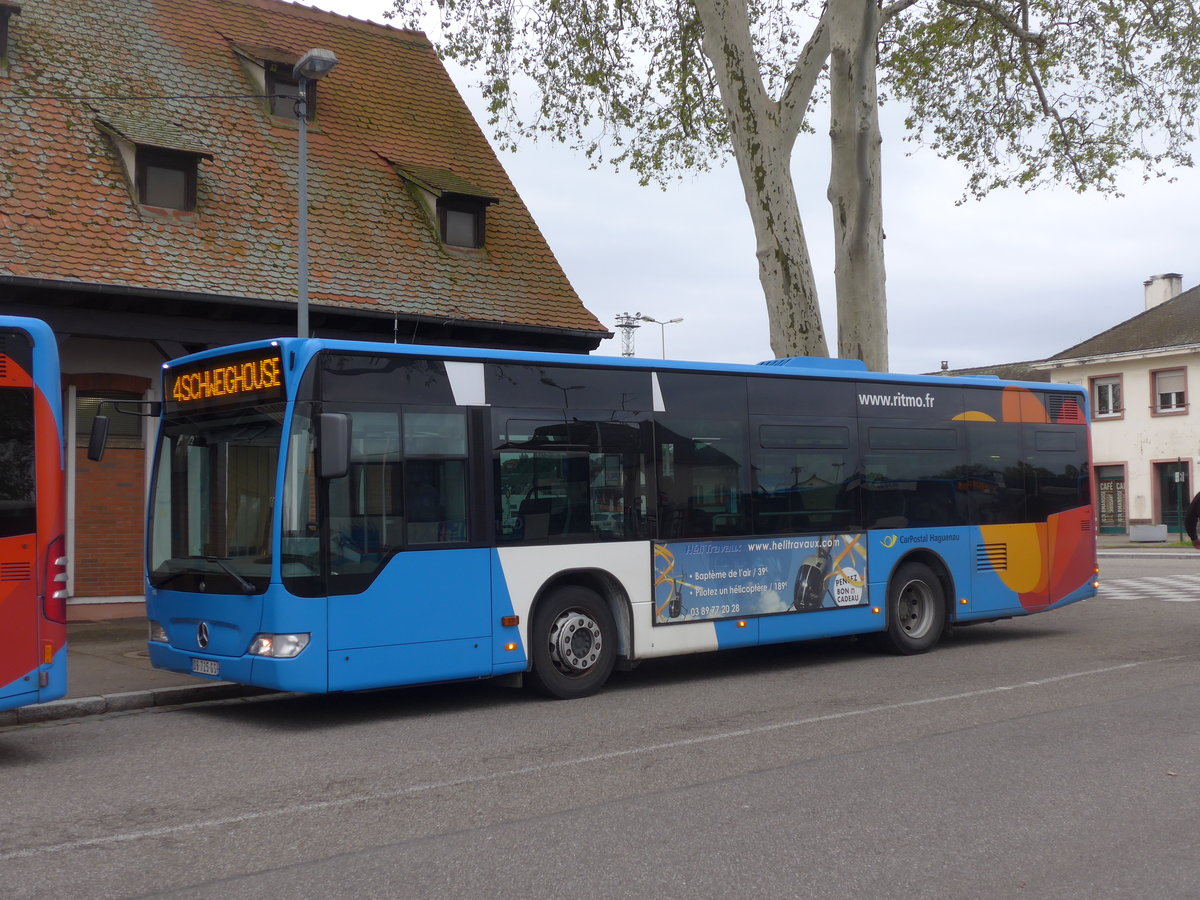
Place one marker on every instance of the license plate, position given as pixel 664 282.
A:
pixel 206 667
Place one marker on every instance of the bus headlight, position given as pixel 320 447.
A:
pixel 157 633
pixel 278 646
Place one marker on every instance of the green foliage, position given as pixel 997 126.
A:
pixel 1025 94
pixel 620 80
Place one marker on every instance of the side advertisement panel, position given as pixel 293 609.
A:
pixel 710 580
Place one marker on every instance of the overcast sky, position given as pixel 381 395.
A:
pixel 1014 277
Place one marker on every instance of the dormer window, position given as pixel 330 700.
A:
pixel 462 220
pixel 270 71
pixel 7 10
pixel 284 91
pixel 161 161
pixel 457 207
pixel 166 178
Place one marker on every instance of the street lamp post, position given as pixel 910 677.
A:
pixel 663 327
pixel 313 65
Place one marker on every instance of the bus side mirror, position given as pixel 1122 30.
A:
pixel 333 445
pixel 98 438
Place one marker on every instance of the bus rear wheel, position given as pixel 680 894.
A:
pixel 574 644
pixel 916 610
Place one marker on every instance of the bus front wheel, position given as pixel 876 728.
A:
pixel 916 610
pixel 574 644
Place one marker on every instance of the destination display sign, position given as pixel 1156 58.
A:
pixel 250 377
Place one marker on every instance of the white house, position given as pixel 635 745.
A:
pixel 1141 375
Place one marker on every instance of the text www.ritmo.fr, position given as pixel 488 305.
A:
pixel 901 400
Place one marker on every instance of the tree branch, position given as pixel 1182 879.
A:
pixel 892 10
pixel 802 80
pixel 1019 30
pixel 1049 110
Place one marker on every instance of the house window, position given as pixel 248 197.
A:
pixel 124 428
pixel 284 90
pixel 6 10
pixel 1170 391
pixel 166 178
pixel 462 220
pixel 1106 397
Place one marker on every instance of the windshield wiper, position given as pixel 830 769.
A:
pixel 246 586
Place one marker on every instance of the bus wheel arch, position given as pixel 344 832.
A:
pixel 919 604
pixel 579 626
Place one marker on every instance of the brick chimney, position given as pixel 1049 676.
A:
pixel 1161 288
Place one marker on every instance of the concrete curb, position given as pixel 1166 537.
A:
pixel 1149 553
pixel 74 707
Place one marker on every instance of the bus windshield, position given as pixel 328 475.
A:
pixel 210 517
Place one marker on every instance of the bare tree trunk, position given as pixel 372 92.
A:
pixel 855 183
pixel 763 134
pixel 784 266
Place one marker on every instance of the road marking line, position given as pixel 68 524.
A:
pixel 383 796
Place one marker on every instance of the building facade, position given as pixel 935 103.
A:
pixel 148 208
pixel 1141 375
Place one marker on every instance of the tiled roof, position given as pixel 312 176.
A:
pixel 1016 371
pixel 66 212
pixel 152 132
pixel 439 180
pixel 1175 323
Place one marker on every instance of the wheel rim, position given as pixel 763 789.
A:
pixel 915 609
pixel 575 642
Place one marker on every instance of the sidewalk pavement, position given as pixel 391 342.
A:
pixel 109 671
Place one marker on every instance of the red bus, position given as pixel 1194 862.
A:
pixel 33 631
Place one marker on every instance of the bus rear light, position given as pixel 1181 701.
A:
pixel 55 604
pixel 278 646
pixel 158 634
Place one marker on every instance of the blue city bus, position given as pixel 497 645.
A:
pixel 336 516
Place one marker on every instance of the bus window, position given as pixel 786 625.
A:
pixel 18 512
pixel 435 476
pixel 701 466
pixel 347 377
pixel 568 387
pixel 572 479
pixel 913 477
pixel 1059 476
pixel 996 474
pixel 802 475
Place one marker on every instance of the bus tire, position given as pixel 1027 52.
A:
pixel 574 644
pixel 916 610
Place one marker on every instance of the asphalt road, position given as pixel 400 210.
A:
pixel 1053 756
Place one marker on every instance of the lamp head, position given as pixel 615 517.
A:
pixel 315 64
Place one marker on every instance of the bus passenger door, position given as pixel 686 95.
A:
pixel 409 597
